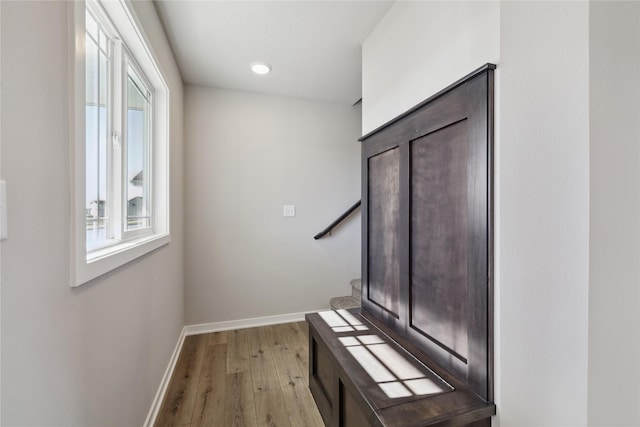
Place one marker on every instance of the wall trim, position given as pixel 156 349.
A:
pixel 246 323
pixel 164 383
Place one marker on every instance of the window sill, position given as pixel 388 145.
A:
pixel 107 259
pixel 100 254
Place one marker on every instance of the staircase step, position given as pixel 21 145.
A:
pixel 338 303
pixel 356 288
pixel 353 301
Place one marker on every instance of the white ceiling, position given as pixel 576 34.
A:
pixel 314 47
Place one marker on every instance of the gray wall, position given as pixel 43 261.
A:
pixel 246 156
pixel 93 355
pixel 614 280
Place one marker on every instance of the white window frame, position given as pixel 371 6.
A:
pixel 129 244
pixel 129 62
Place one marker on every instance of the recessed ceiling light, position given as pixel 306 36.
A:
pixel 260 68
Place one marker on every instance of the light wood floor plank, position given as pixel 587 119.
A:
pixel 266 335
pixel 239 408
pixel 300 404
pixel 237 352
pixel 263 371
pixel 271 410
pixel 300 346
pixel 209 406
pixel 304 327
pixel 218 338
pixel 181 394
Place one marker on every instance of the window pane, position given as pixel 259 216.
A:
pixel 96 104
pixel 91 26
pixel 103 41
pixel 138 187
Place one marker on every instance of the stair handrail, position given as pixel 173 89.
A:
pixel 338 220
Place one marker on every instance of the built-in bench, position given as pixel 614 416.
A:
pixel 360 377
pixel 420 350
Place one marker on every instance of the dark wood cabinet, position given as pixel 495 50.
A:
pixel 414 392
pixel 427 246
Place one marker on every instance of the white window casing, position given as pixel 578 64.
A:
pixel 132 56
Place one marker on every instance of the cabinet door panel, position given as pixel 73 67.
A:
pixel 439 238
pixel 383 212
pixel 351 415
pixel 321 378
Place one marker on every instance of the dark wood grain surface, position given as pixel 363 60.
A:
pixel 454 405
pixel 384 206
pixel 439 243
pixel 443 235
pixel 443 249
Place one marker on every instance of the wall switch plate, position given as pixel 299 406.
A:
pixel 289 210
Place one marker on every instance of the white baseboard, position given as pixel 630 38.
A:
pixel 164 384
pixel 228 325
pixel 205 328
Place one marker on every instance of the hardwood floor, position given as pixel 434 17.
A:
pixel 251 377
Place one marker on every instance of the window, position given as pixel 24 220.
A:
pixel 120 145
pixel 138 209
pixel 98 105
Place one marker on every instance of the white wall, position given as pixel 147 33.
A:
pixel 419 48
pixel 614 290
pixel 246 156
pixel 92 355
pixel 542 176
pixel 0 245
pixel 543 219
